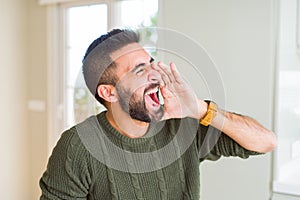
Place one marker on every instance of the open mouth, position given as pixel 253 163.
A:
pixel 152 96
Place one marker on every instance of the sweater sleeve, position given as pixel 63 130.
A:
pixel 212 144
pixel 67 175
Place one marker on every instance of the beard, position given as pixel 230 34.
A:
pixel 135 106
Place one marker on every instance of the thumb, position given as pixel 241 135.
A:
pixel 166 93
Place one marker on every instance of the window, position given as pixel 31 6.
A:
pixel 74 25
pixel 82 25
pixel 287 156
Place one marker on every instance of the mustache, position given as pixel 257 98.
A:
pixel 150 87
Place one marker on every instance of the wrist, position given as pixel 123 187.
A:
pixel 201 110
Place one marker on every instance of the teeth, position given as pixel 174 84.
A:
pixel 152 91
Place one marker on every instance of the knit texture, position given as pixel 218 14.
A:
pixel 74 173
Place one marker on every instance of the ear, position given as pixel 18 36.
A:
pixel 107 92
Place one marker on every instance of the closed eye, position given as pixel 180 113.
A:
pixel 139 68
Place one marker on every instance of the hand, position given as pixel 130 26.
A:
pixel 179 98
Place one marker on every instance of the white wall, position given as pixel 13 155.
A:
pixel 23 144
pixel 239 36
pixel 37 91
pixel 14 167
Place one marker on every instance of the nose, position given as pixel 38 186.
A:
pixel 153 75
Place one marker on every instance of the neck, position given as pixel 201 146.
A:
pixel 125 125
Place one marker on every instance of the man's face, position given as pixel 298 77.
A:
pixel 138 83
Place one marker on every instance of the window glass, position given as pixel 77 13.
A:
pixel 83 25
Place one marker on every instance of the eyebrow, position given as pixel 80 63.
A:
pixel 142 64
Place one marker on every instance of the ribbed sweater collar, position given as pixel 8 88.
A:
pixel 111 131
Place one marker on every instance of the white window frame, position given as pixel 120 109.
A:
pixel 55 97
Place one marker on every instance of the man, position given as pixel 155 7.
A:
pixel 138 148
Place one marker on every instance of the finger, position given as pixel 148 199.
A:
pixel 165 78
pixel 167 70
pixel 165 92
pixel 156 68
pixel 176 75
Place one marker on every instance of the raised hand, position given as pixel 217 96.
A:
pixel 179 98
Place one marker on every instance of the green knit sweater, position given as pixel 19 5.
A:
pixel 75 170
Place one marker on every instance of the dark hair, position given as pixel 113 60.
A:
pixel 98 68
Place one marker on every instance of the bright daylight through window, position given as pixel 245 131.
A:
pixel 85 23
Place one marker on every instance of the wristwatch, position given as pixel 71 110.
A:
pixel 212 110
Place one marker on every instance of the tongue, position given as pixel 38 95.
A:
pixel 154 98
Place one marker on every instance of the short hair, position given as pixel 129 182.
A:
pixel 98 68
